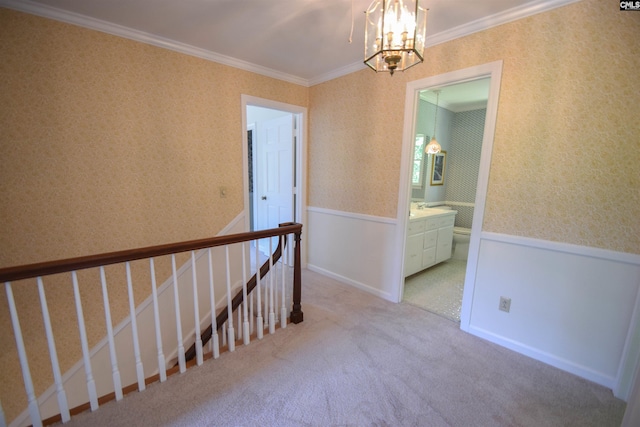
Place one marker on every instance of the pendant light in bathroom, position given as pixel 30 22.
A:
pixel 433 147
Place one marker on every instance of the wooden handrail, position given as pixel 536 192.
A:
pixel 73 264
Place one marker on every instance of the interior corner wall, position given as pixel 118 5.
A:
pixel 107 144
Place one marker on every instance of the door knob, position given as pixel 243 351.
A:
pixel 264 197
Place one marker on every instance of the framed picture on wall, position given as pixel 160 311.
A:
pixel 437 168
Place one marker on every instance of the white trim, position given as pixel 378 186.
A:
pixel 301 158
pixel 494 71
pixel 550 359
pixel 353 215
pixel 529 9
pixel 630 361
pixel 351 282
pixel 450 203
pixel 568 248
pixel 632 413
pixel 343 71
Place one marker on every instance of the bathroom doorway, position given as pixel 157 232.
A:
pixel 446 182
pixel 491 71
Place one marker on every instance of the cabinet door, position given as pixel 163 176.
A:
pixel 430 239
pixel 428 257
pixel 443 248
pixel 413 255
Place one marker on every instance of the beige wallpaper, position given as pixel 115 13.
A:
pixel 107 144
pixel 566 159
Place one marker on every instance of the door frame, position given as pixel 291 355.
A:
pixel 493 70
pixel 299 158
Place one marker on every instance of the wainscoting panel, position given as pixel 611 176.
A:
pixel 354 249
pixel 571 307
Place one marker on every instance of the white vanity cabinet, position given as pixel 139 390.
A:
pixel 429 239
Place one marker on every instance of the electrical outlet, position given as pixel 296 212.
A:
pixel 505 304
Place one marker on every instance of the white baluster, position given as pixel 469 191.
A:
pixel 3 420
pixel 283 309
pixel 245 302
pixel 134 330
pixel 215 345
pixel 223 331
pixel 272 274
pixel 57 376
pixel 231 338
pixel 34 412
pixel 266 299
pixel 91 384
pixel 117 385
pixel 196 309
pixel 251 313
pixel 162 364
pixel 259 321
pixel 176 299
pixel 239 321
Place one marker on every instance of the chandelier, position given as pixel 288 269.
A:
pixel 394 35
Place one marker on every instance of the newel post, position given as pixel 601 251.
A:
pixel 296 313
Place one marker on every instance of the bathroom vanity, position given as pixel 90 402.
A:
pixel 429 238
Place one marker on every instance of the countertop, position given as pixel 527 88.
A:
pixel 416 214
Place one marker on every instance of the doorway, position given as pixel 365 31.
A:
pixel 274 150
pixel 493 72
pixel 450 185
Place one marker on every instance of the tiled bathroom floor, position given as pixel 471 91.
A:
pixel 438 289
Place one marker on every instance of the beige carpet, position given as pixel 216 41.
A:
pixel 357 360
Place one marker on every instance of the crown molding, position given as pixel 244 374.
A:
pixel 342 71
pixel 117 30
pixel 528 9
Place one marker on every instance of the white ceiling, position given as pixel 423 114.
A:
pixel 303 41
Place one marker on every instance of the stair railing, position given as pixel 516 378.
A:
pixel 41 270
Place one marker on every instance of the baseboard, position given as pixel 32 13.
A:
pixel 563 364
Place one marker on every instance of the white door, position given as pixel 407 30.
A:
pixel 274 175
